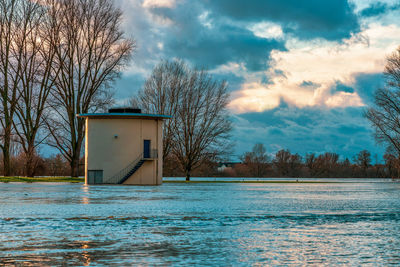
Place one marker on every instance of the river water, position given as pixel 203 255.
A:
pixel 203 224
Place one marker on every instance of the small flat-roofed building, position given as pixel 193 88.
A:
pixel 123 146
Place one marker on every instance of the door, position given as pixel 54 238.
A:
pixel 146 149
pixel 95 176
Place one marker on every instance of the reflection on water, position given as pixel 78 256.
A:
pixel 85 194
pixel 200 224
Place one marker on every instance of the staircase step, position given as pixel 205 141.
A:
pixel 131 172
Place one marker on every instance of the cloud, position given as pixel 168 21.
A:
pixel 127 86
pixel 330 67
pixel 331 20
pixel 266 38
pixel 233 45
pixel 378 8
pixel 266 30
pixel 212 42
pixel 300 72
pixel 340 87
pixel 158 3
pixel 309 84
pixel 366 84
pixel 234 81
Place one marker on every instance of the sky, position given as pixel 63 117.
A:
pixel 300 73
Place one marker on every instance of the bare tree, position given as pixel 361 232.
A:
pixel 295 163
pixel 385 114
pixel 310 163
pixel 256 160
pixel 287 164
pixel 90 51
pixel 363 160
pixel 11 22
pixel 281 162
pixel 326 164
pixel 200 126
pixel 392 165
pixel 37 54
pixel 161 95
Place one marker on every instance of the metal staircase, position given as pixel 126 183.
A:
pixel 129 170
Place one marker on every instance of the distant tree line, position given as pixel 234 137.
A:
pixel 55 165
pixel 257 163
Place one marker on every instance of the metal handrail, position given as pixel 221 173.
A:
pixel 121 174
pixel 153 154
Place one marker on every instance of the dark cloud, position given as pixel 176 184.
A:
pixel 366 84
pixel 309 84
pixel 230 44
pixel 378 8
pixel 332 20
pixel 216 44
pixel 128 85
pixel 343 130
pixel 340 87
pixel 234 81
pixel 276 131
pixel 266 79
pixel 280 73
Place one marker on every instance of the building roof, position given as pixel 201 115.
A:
pixel 122 116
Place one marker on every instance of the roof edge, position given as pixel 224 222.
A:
pixel 123 115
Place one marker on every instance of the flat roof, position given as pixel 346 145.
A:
pixel 122 116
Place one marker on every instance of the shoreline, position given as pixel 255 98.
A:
pixel 20 179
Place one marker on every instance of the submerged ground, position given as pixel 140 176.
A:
pixel 337 223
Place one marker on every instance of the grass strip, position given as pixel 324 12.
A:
pixel 252 182
pixel 22 179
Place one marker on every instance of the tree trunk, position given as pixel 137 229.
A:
pixel 74 166
pixel 187 174
pixel 6 153
pixel 76 153
pixel 6 159
pixel 30 167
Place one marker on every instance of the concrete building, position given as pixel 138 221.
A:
pixel 123 146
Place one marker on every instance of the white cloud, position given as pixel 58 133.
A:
pixel 266 30
pixel 159 3
pixel 205 20
pixel 323 63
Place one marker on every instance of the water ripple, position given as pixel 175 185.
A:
pixel 200 224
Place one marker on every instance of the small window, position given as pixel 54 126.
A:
pixel 95 176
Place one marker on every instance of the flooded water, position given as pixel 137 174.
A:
pixel 348 223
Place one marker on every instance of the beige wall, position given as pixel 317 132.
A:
pixel 105 152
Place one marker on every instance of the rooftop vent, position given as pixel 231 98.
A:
pixel 124 110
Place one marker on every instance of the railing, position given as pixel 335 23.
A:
pixel 153 155
pixel 122 173
pixel 115 179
